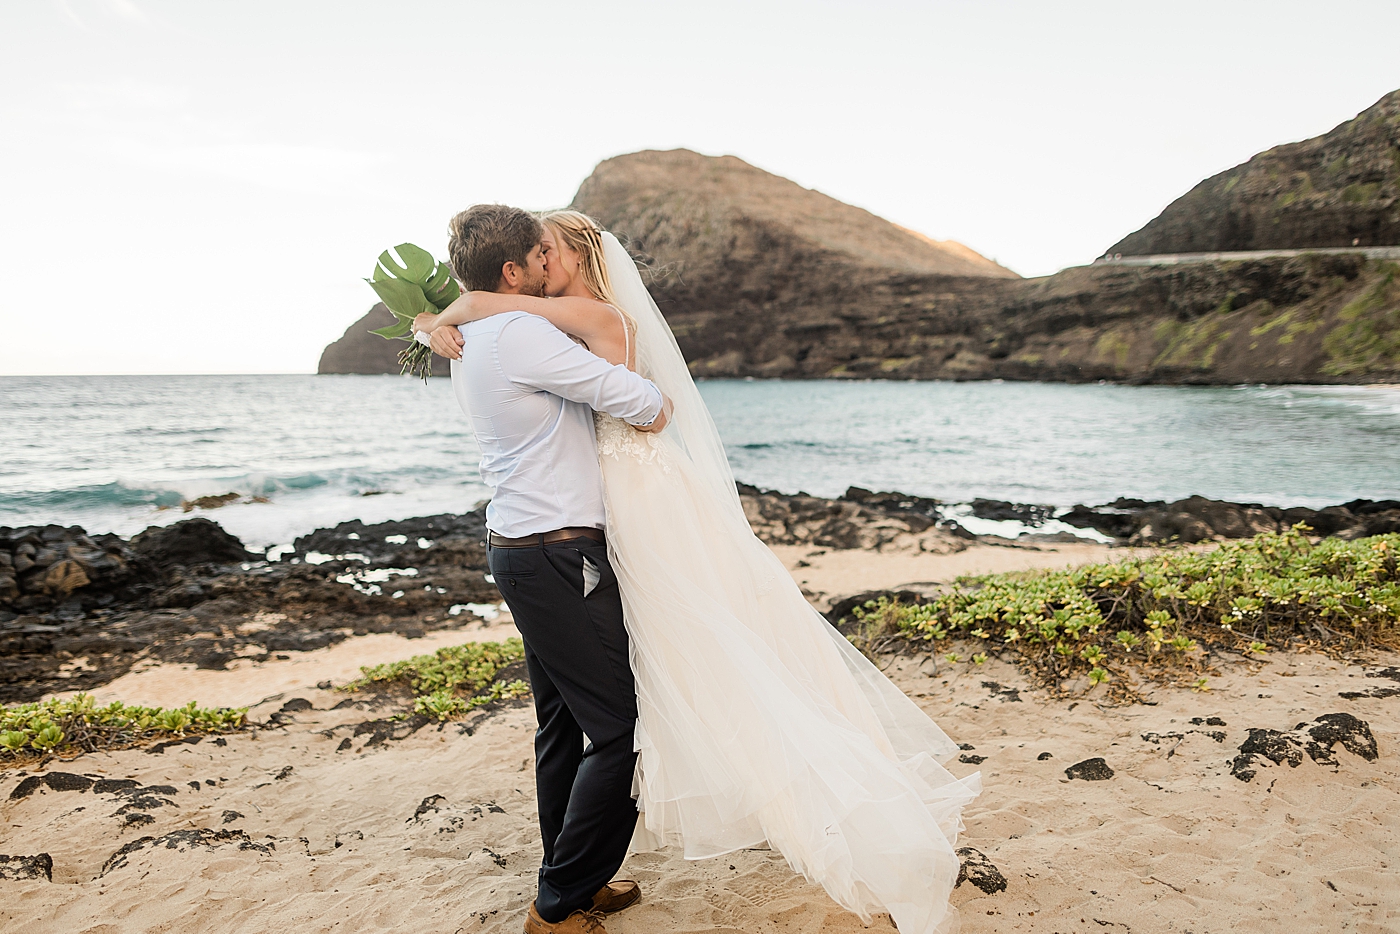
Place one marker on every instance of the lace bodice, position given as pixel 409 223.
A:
pixel 617 439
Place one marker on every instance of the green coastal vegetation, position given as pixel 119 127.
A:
pixel 71 726
pixel 449 682
pixel 1367 339
pixel 453 680
pixel 1165 617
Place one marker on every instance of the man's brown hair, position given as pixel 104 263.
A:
pixel 484 238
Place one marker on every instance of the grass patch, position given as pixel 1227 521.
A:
pixel 1162 616
pixel 77 725
pixel 1113 345
pixel 452 680
pixel 1358 192
pixel 1367 339
pixel 1195 344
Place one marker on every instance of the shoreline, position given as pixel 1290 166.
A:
pixel 247 682
pixel 79 611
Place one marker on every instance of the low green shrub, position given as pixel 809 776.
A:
pixel 77 725
pixel 452 680
pixel 1163 614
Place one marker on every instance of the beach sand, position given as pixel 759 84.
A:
pixel 825 574
pixel 332 821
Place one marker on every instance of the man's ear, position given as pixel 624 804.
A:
pixel 510 274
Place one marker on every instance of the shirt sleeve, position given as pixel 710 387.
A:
pixel 534 354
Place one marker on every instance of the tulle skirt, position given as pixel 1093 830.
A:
pixel 758 723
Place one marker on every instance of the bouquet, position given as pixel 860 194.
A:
pixel 413 284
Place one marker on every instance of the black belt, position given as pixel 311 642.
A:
pixel 545 538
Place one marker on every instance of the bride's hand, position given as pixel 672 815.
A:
pixel 447 342
pixel 425 322
pixel 663 418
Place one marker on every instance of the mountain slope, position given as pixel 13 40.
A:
pixel 692 212
pixel 1336 190
pixel 760 277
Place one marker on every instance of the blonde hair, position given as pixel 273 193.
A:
pixel 585 237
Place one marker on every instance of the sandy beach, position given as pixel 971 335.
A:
pixel 1066 389
pixel 329 817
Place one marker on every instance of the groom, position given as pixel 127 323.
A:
pixel 530 393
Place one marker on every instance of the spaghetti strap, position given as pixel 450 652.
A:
pixel 626 337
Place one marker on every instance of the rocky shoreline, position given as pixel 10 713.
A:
pixel 860 518
pixel 78 611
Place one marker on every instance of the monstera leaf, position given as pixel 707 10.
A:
pixel 409 285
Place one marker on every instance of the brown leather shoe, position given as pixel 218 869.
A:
pixel 617 895
pixel 580 922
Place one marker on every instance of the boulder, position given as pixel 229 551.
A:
pixel 188 543
pixel 43 567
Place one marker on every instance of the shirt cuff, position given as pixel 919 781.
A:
pixel 660 404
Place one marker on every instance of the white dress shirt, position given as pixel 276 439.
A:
pixel 530 393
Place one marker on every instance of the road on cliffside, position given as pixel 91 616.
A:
pixel 1175 259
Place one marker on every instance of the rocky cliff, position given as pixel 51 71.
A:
pixel 772 287
pixel 359 351
pixel 761 277
pixel 1336 190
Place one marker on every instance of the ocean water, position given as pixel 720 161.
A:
pixel 121 453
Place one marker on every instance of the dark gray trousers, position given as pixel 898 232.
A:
pixel 577 652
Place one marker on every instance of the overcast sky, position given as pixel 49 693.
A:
pixel 199 186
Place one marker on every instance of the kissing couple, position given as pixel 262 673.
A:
pixel 686 692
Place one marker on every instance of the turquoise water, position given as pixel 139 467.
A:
pixel 1064 444
pixel 121 453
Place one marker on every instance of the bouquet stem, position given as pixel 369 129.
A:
pixel 416 360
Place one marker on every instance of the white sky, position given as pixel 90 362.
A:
pixel 199 186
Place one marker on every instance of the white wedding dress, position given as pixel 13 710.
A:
pixel 758 723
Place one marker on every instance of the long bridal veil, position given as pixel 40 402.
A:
pixel 758 723
pixel 659 358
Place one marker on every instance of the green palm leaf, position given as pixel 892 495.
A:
pixel 418 264
pixel 409 284
pixel 402 297
pixel 396 331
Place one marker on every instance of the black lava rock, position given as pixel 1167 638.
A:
pixel 189 543
pixel 1316 738
pixel 58 781
pixel 182 841
pixel 1002 692
pixel 1332 728
pixel 978 870
pixel 21 868
pixel 1090 770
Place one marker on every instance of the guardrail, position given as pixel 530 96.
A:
pixel 1173 259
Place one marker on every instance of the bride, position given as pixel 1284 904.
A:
pixel 758 723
